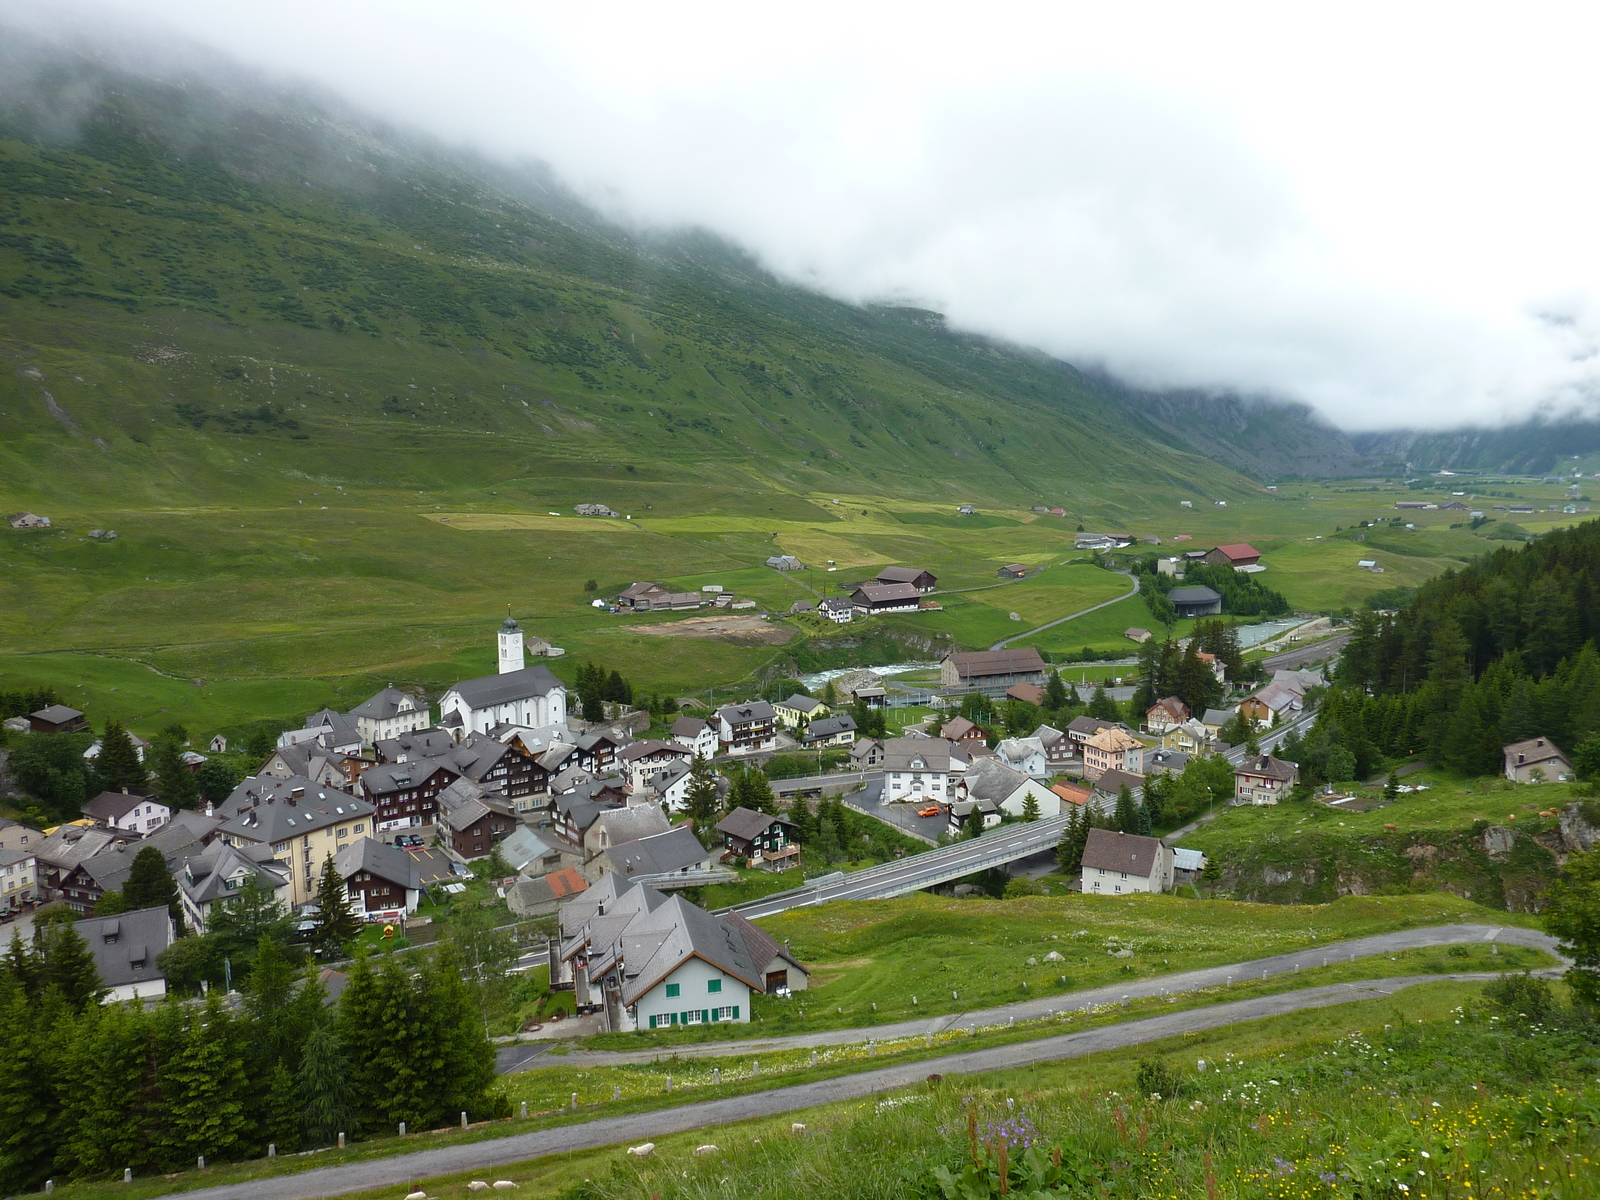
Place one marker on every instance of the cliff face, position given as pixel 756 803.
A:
pixel 1532 448
pixel 1492 865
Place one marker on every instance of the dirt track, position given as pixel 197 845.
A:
pixel 735 628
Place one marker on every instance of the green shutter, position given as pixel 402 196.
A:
pixel 735 1012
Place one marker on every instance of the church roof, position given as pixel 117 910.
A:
pixel 508 688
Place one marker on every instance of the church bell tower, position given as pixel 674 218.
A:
pixel 510 647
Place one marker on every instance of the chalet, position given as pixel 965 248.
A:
pixel 389 714
pixel 311 761
pixel 1060 751
pixel 57 718
pixel 961 815
pixel 329 730
pixel 1112 750
pixel 575 814
pixel 127 813
pixel 697 736
pixel 619 826
pixel 1263 779
pixel 802 606
pixel 1165 762
pixel 767 842
pixel 60 858
pixel 471 821
pixel 872 598
pixel 1165 714
pixel 797 708
pixel 216 875
pixel 597 752
pixel 383 882
pixel 1239 554
pixel 1013 571
pixel 837 730
pixel 923 581
pixel 866 755
pixel 992 670
pixel 1081 729
pixel 1117 863
pixel 837 609
pixel 406 794
pixel 1536 760
pixel 785 562
pixel 125 949
pixel 962 731
pixel 1189 738
pixel 918 769
pixel 1272 701
pixel 746 728
pixel 1195 601
pixel 1214 719
pixel 1134 634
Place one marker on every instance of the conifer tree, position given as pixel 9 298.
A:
pixel 1143 823
pixel 1391 787
pixel 466 1072
pixel 175 783
pixel 1055 692
pixel 110 1092
pixel 29 1104
pixel 325 1084
pixel 800 816
pixel 404 1041
pixel 117 766
pixel 20 967
pixel 972 827
pixel 149 884
pixel 268 995
pixel 758 792
pixel 280 1109
pixel 67 966
pixel 1125 817
pixel 701 798
pixel 1030 807
pixel 205 1088
pixel 1069 851
pixel 334 923
pixel 1102 706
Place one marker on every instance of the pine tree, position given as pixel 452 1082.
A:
pixel 280 1109
pixel 1069 851
pixel 112 1117
pixel 333 922
pixel 216 780
pixel 267 998
pixel 799 816
pixel 702 799
pixel 204 1088
pixel 1125 817
pixel 1391 787
pixel 363 1067
pixel 29 1103
pixel 972 827
pixel 1030 807
pixel 466 1072
pixel 758 792
pixel 401 1041
pixel 325 1086
pixel 175 783
pixel 150 884
pixel 20 968
pixel 117 766
pixel 1142 822
pixel 1103 707
pixel 1055 692
pixel 67 966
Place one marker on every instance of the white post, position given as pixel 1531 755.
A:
pixel 524 1108
pixel 574 1100
pixel 200 1163
pixel 341 1141
pixel 402 1129
pixel 272 1149
pixel 927 1040
pixel 755 1068
pixel 49 1186
pixel 616 1091
pixel 813 1058
pixel 127 1174
pixel 463 1121
pixel 716 1075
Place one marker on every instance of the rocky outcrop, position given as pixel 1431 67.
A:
pixel 1580 826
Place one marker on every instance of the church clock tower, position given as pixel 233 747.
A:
pixel 510 647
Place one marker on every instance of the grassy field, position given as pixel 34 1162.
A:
pixel 870 958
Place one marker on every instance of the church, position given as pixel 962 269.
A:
pixel 519 695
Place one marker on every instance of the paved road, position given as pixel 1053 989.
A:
pixel 904 875
pixel 1026 1010
pixel 786 787
pixel 648 1126
pixel 1133 579
pixel 1291 660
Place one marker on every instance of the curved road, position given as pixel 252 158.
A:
pixel 648 1126
pixel 1026 1010
pixel 1133 579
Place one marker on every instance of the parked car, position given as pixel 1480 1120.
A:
pixel 408 839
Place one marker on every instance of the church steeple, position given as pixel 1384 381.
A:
pixel 510 647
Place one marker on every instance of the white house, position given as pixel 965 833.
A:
pixel 1122 863
pixel 923 768
pixel 389 714
pixel 747 728
pixel 1008 788
pixel 19 879
pixel 1026 755
pixel 220 872
pixel 128 813
pixel 518 695
pixel 699 736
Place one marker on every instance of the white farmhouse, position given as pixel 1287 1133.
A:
pixel 922 768
pixel 388 715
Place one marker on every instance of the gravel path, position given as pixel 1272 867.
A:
pixel 640 1127
pixel 1134 989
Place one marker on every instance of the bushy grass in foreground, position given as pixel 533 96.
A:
pixel 870 958
pixel 1406 1101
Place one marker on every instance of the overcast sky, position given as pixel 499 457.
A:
pixel 1388 211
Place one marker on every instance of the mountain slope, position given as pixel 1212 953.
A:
pixel 218 267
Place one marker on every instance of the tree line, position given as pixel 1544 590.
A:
pixel 91 1088
pixel 1497 652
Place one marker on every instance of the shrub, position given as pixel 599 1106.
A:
pixel 1158 1078
pixel 1519 999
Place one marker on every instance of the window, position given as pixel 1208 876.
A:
pixel 361 827
pixel 672 991
pixel 713 985
pixel 344 833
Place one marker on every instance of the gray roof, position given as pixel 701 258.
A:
pixel 981 663
pixel 935 754
pixel 279 815
pixel 125 946
pixel 113 806
pixel 327 718
pixel 1171 762
pixel 660 854
pixel 1193 595
pixel 650 747
pixel 490 690
pixel 57 714
pixel 1218 716
pixel 395 777
pixel 72 844
pixel 756 710
pixel 1112 782
pixel 204 877
pixel 901 574
pixel 387 862
pixel 657 942
pixel 1108 851
pixel 803 704
pixel 381 707
pixel 989 779
pixel 668 775
pixel 623 825
pixel 522 845
pixel 748 823
pixel 887 593
pixel 688 727
pixel 421 743
pixel 831 726
pixel 1267 767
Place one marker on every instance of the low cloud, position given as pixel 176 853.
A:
pixel 1389 219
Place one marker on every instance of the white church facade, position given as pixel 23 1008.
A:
pixel 518 695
